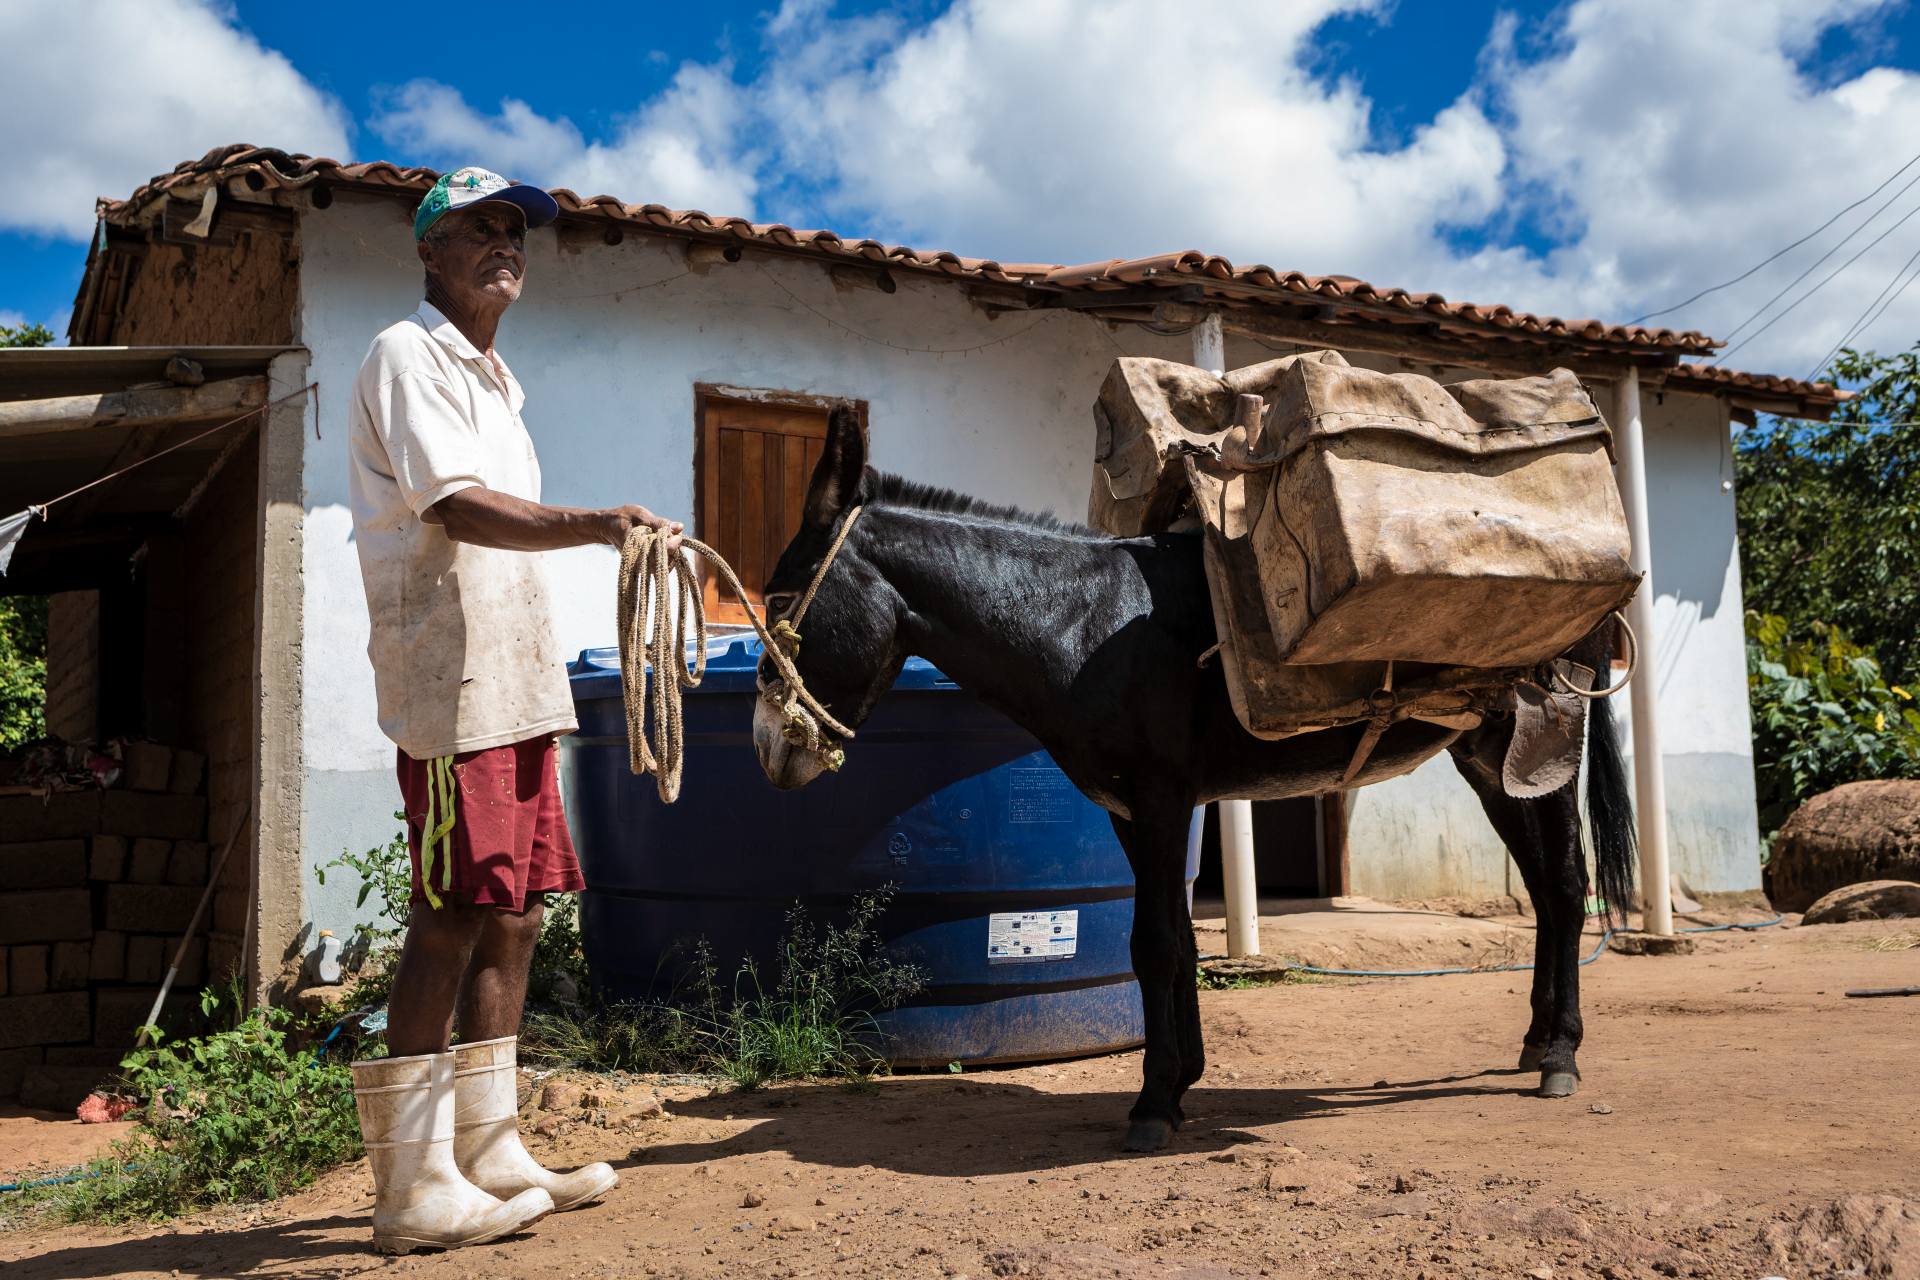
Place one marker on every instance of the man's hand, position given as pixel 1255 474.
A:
pixel 620 521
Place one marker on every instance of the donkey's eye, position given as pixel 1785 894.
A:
pixel 780 603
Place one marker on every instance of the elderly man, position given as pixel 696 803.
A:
pixel 472 690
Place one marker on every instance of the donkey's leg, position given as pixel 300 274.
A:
pixel 1477 756
pixel 1557 819
pixel 1163 959
pixel 1544 838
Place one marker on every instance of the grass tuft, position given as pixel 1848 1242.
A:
pixel 816 1018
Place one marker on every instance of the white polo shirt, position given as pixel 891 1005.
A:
pixel 463 648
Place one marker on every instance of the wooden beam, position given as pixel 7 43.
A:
pixel 1137 296
pixel 156 406
pixel 1516 356
pixel 1336 869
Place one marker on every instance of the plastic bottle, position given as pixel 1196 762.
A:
pixel 323 962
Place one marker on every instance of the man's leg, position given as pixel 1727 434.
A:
pixel 493 987
pixel 442 942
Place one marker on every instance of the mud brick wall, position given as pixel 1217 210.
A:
pixel 96 890
pixel 73 669
pixel 221 699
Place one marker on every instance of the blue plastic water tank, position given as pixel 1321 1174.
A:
pixel 1012 894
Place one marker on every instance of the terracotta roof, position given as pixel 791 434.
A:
pixel 1711 378
pixel 264 169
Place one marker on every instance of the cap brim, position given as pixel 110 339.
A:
pixel 539 207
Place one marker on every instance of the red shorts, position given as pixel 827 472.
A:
pixel 508 835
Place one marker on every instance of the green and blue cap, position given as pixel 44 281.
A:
pixel 466 187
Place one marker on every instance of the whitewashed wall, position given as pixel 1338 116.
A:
pixel 609 342
pixel 1423 835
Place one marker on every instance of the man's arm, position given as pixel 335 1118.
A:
pixel 488 519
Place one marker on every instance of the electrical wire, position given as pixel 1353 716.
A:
pixel 1777 255
pixel 1837 271
pixel 1813 266
pixel 1862 320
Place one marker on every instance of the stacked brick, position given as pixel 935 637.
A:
pixel 96 890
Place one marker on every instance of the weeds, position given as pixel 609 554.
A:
pixel 817 1018
pixel 1893 942
pixel 233 1116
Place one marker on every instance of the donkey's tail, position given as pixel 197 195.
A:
pixel 1610 813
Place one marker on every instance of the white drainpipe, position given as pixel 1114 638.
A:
pixel 1236 816
pixel 1649 781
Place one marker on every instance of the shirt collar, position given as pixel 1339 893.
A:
pixel 448 335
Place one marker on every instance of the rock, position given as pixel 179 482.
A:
pixel 1411 1205
pixel 1861 831
pixel 1872 900
pixel 560 1095
pixel 793 1223
pixel 99 1109
pixel 1600 1108
pixel 593 1100
pixel 648 1108
pixel 1856 1234
pixel 549 1126
pixel 1632 942
pixel 752 1200
pixel 1540 1273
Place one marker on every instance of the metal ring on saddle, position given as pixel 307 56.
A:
pixel 1633 664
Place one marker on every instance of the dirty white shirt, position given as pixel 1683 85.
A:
pixel 463 648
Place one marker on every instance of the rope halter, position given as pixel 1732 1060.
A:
pixel 653 667
pixel 785 693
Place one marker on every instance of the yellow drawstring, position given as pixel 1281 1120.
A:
pixel 437 832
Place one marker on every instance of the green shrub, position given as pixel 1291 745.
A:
pixel 1822 715
pixel 23 670
pixel 233 1116
pixel 817 1018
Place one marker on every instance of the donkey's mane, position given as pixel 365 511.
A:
pixel 883 489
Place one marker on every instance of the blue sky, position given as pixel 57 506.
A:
pixel 1599 158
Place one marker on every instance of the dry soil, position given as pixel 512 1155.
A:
pixel 1740 1117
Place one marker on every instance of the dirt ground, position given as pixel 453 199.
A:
pixel 1739 1117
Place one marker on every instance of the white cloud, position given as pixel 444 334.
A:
pixel 1684 143
pixel 1664 146
pixel 682 148
pixel 105 93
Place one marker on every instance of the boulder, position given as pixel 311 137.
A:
pixel 1874 900
pixel 1858 832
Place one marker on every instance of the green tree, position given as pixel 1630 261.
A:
pixel 25 335
pixel 23 669
pixel 1830 513
pixel 1822 715
pixel 23 622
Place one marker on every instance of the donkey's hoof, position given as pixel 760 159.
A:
pixel 1531 1056
pixel 1148 1135
pixel 1559 1084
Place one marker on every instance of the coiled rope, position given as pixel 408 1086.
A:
pixel 655 581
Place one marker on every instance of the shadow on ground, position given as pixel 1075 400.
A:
pixel 978 1127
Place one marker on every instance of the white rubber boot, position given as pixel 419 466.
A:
pixel 487 1132
pixel 420 1199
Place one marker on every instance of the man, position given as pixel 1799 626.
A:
pixel 472 689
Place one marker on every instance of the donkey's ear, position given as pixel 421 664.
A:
pixel 836 478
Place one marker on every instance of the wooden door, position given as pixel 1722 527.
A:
pixel 753 461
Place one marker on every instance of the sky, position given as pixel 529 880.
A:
pixel 1603 158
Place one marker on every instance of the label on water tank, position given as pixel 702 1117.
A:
pixel 1039 795
pixel 1032 935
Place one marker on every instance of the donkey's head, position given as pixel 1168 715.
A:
pixel 850 652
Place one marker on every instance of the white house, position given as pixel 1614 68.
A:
pixel 678 359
